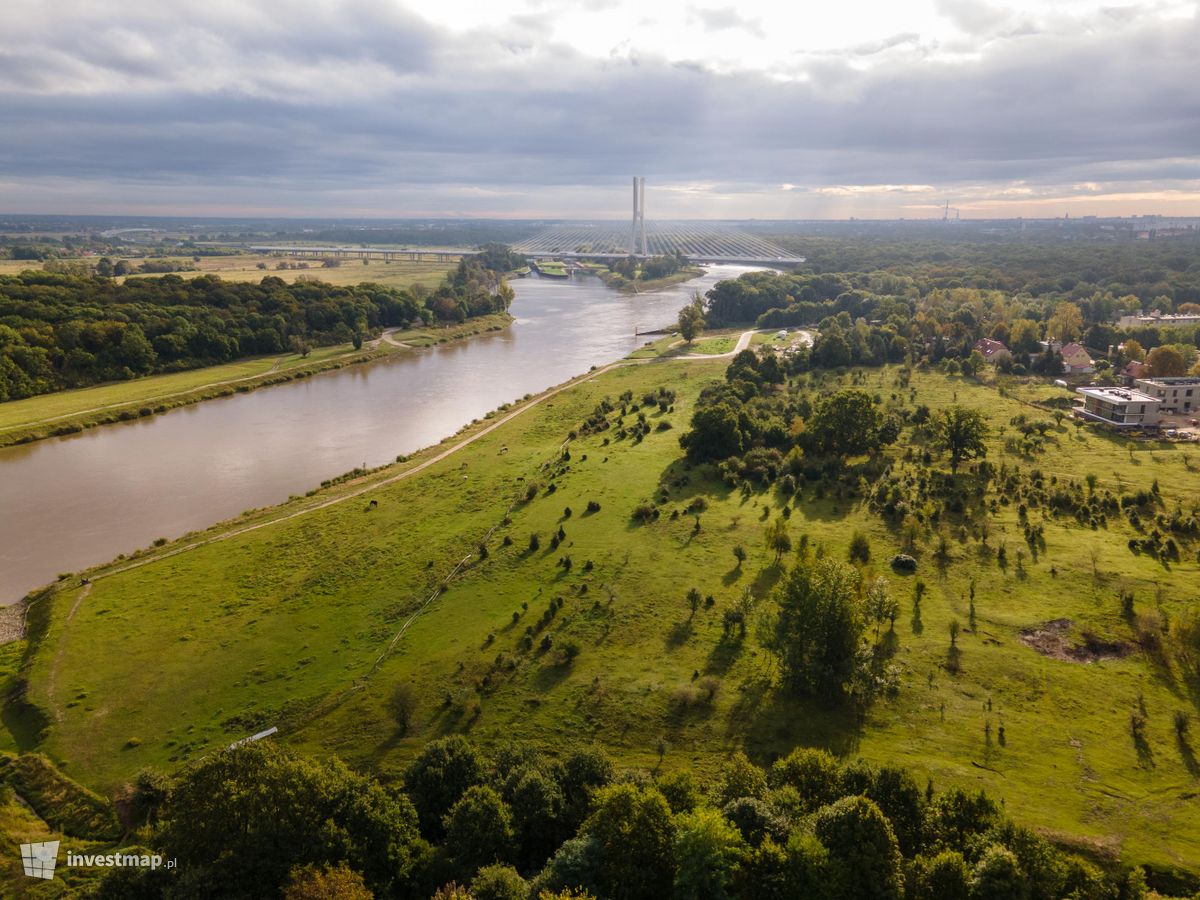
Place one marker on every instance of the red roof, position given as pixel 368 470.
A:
pixel 988 347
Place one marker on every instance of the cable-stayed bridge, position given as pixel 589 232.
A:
pixel 698 241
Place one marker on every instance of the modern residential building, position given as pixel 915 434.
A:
pixel 1123 408
pixel 1157 319
pixel 1174 395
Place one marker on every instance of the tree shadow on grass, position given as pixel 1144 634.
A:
pixel 773 722
pixel 724 654
pixel 732 575
pixel 550 675
pixel 679 634
pixel 1187 754
pixel 766 579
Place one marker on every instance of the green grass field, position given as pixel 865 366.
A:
pixel 395 273
pixel 712 345
pixel 290 624
pixel 62 404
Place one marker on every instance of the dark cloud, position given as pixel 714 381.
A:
pixel 364 97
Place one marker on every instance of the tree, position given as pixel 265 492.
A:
pixel 241 820
pixel 961 431
pixel 402 705
pixel 691 318
pixel 777 538
pixel 1025 336
pixel 860 548
pixel 634 839
pixel 819 627
pixel 812 772
pixel 326 883
pixel 739 777
pixel 575 866
pixel 584 771
pixel 478 829
pixel 1066 324
pixel 739 553
pixel 440 775
pixel 844 424
pixel 944 877
pixel 864 857
pixel 708 852
pixel 693 599
pixel 880 605
pixel 537 803
pixel 997 876
pixel 1166 362
pixel 715 434
pixel 1133 350
pixel 300 346
pixel 498 882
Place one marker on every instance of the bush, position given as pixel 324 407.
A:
pixel 498 882
pixel 402 704
pixel 902 562
pixel 645 513
pixel 860 548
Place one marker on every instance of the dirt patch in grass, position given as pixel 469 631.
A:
pixel 1053 639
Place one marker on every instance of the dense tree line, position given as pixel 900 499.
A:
pixel 257 822
pixel 62 330
pixel 1037 265
pixel 875 317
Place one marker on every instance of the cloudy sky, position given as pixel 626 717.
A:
pixel 532 108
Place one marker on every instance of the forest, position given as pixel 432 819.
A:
pixel 459 825
pixel 61 331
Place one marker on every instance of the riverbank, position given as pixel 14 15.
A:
pixel 84 499
pixel 625 286
pixel 69 412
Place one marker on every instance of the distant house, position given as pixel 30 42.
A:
pixel 1122 408
pixel 991 350
pixel 1133 370
pixel 1076 360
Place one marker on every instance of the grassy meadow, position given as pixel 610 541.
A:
pixel 244 267
pixel 311 623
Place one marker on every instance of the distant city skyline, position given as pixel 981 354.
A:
pixel 543 108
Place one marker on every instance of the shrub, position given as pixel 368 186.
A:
pixel 644 513
pixel 902 562
pixel 860 548
pixel 402 704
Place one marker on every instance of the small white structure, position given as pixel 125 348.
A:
pixel 1118 407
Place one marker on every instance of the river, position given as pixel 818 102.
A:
pixel 72 502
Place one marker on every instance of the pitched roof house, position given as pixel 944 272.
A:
pixel 1076 360
pixel 1134 370
pixel 990 349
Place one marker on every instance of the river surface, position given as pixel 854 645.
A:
pixel 72 502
